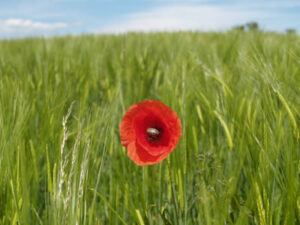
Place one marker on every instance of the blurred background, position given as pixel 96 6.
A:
pixel 61 17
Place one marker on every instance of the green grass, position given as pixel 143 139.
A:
pixel 238 97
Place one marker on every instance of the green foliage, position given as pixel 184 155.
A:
pixel 291 31
pixel 62 99
pixel 252 25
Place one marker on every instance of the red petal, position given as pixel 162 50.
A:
pixel 137 119
pixel 141 157
pixel 164 117
pixel 127 131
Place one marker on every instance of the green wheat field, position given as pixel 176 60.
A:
pixel 238 160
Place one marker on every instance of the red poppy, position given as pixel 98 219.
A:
pixel 150 131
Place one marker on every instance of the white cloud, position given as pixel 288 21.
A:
pixel 186 17
pixel 22 26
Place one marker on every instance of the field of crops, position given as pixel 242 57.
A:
pixel 238 160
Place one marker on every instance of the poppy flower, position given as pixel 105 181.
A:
pixel 150 131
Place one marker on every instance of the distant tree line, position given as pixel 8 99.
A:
pixel 254 26
pixel 247 26
pixel 290 31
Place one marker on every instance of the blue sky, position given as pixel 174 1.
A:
pixel 59 17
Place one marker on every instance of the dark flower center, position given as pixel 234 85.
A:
pixel 153 134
